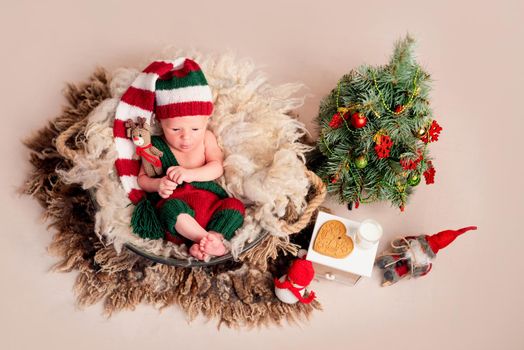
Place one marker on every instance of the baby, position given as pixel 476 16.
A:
pixel 192 206
pixel 200 159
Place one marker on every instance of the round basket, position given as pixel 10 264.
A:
pixel 237 292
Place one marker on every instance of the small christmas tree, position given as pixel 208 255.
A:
pixel 375 127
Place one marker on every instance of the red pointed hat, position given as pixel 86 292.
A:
pixel 443 239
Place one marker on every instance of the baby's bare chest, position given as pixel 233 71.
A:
pixel 189 160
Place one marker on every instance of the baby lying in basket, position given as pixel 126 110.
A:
pixel 180 165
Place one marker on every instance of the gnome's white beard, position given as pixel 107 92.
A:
pixel 416 254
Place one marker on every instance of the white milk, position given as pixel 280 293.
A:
pixel 368 233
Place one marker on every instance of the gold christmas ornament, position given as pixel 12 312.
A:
pixel 378 136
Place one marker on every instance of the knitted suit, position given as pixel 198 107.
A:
pixel 206 201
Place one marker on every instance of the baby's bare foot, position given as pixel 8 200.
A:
pixel 196 252
pixel 212 244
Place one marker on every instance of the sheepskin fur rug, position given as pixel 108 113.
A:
pixel 236 293
pixel 263 164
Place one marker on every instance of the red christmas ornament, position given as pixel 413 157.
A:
pixel 433 133
pixel 358 120
pixel 402 208
pixel 383 146
pixel 429 174
pixel 399 109
pixel 337 120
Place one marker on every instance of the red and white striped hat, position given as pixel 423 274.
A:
pixel 167 89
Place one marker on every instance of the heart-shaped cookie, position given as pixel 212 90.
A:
pixel 332 240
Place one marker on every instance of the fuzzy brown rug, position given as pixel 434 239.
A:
pixel 237 294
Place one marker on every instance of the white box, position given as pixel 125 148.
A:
pixel 359 262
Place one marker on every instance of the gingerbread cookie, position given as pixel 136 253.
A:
pixel 332 240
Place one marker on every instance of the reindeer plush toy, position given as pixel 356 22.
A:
pixel 140 133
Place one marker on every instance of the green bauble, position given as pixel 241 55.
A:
pixel 361 162
pixel 414 179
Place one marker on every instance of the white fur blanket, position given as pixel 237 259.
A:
pixel 264 160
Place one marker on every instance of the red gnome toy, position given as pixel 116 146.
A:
pixel 290 288
pixel 412 255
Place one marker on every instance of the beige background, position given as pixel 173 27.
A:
pixel 471 300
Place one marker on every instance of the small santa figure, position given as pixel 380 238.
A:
pixel 412 255
pixel 291 288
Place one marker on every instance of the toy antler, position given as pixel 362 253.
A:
pixel 130 125
pixel 140 122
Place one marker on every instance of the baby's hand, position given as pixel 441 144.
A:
pixel 166 187
pixel 179 174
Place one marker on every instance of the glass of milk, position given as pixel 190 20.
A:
pixel 368 233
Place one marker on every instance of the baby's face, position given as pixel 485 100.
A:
pixel 185 133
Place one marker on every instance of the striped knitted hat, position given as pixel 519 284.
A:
pixel 167 89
